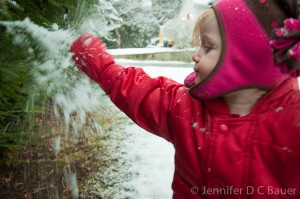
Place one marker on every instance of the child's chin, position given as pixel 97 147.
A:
pixel 197 80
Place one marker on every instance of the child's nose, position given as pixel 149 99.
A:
pixel 196 56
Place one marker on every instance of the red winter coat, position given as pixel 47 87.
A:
pixel 217 155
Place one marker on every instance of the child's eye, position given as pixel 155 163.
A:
pixel 206 48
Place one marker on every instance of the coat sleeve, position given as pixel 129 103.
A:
pixel 147 101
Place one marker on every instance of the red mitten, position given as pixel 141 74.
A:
pixel 90 55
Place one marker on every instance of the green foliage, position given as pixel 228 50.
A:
pixel 14 78
pixel 42 12
pixel 16 59
pixel 10 142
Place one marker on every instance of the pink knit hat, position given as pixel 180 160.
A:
pixel 252 56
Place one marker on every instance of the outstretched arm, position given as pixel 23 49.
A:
pixel 147 101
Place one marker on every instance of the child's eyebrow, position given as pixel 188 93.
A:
pixel 207 38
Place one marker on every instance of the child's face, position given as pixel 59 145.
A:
pixel 208 54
